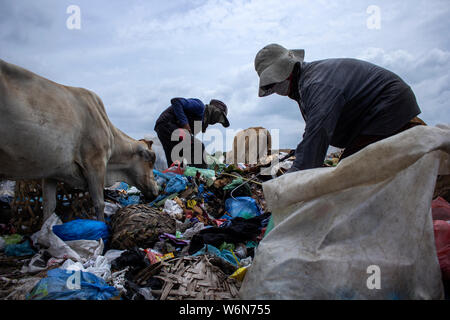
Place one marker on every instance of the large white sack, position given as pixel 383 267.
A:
pixel 332 225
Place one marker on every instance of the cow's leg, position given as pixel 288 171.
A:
pixel 49 197
pixel 95 176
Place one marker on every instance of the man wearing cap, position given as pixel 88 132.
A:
pixel 346 103
pixel 182 114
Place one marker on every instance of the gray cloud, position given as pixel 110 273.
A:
pixel 137 55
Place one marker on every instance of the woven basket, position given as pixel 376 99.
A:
pixel 139 225
pixel 195 278
pixel 27 207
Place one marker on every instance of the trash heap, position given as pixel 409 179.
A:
pixel 196 240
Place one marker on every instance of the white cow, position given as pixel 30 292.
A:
pixel 59 133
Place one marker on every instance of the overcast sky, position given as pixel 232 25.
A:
pixel 137 55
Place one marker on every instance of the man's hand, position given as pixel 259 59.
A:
pixel 183 133
pixel 187 127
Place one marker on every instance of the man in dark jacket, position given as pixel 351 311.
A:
pixel 192 116
pixel 346 103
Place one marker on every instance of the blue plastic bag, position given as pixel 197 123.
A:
pixel 19 250
pixel 176 184
pixel 129 200
pixel 244 207
pixel 63 284
pixel 224 254
pixel 202 192
pixel 82 229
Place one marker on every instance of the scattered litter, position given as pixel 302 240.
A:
pixel 72 285
pixel 203 237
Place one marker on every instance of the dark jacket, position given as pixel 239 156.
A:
pixel 343 98
pixel 181 112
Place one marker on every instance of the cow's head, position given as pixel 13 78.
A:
pixel 144 161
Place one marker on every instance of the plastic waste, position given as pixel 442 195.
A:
pixel 82 229
pixel 239 274
pixel 202 192
pixel 77 250
pixel 19 250
pixel 129 200
pixel 172 208
pixel 113 254
pixel 175 168
pixel 99 266
pixel 206 173
pixel 189 233
pixel 12 239
pixel 224 254
pixel 176 184
pixel 215 163
pixel 246 262
pixel 63 284
pixel 241 251
pixel 146 293
pixel 244 207
pixel 227 246
pixel 7 188
pixel 111 208
pixel 269 227
pixel 38 262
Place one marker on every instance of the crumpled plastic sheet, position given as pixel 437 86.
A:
pixel 226 255
pixel 62 284
pixel 189 233
pixel 77 250
pixel 118 279
pixel 111 208
pixel 7 188
pixel 172 208
pixel 98 266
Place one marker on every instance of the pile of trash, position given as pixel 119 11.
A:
pixel 196 240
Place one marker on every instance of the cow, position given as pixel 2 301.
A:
pixel 58 133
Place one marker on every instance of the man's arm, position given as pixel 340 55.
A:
pixel 323 104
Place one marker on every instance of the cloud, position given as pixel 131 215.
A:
pixel 138 55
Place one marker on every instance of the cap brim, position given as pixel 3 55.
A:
pixel 225 122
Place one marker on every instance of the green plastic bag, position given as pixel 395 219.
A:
pixel 206 173
pixel 192 172
pixel 12 239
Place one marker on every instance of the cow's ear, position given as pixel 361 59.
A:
pixel 148 142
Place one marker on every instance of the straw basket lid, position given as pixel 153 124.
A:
pixel 139 225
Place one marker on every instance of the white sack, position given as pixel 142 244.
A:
pixel 332 224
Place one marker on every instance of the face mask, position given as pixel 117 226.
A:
pixel 282 88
